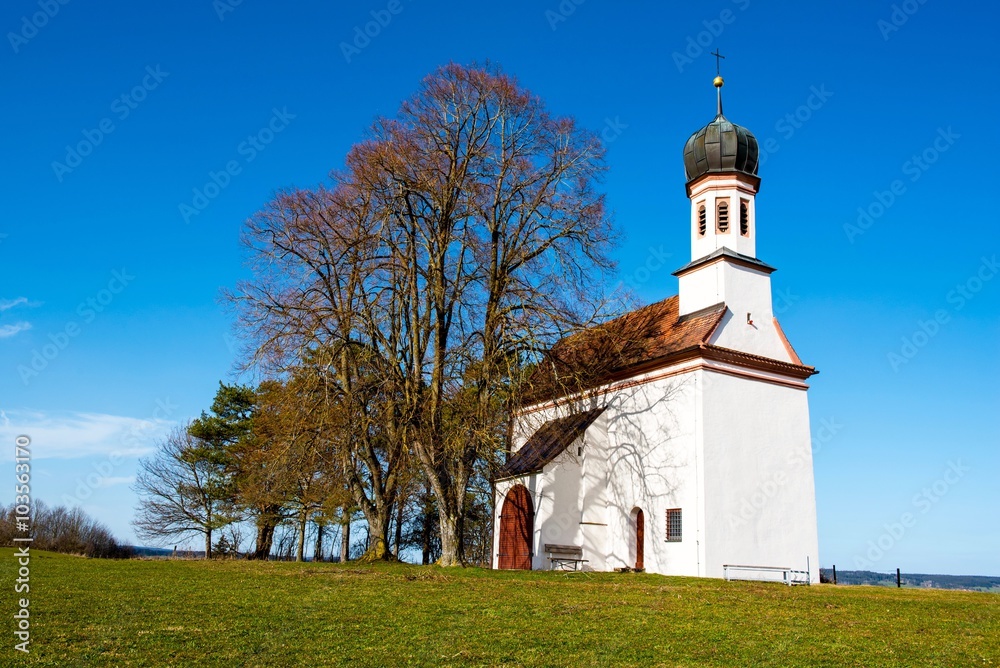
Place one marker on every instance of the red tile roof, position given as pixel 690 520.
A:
pixel 637 342
pixel 620 346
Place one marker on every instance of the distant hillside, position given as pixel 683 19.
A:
pixel 966 582
pixel 165 552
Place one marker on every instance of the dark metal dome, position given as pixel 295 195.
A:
pixel 720 146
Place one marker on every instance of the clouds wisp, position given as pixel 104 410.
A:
pixel 7 331
pixel 76 435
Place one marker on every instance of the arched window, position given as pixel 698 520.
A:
pixel 702 220
pixel 722 215
pixel 744 217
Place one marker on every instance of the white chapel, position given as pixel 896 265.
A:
pixel 689 453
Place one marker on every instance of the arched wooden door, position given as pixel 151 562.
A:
pixel 640 539
pixel 517 524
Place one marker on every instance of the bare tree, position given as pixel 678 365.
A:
pixel 321 297
pixel 63 529
pixel 183 491
pixel 464 237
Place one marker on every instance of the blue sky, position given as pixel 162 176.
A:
pixel 112 292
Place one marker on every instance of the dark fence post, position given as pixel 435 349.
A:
pixel 835 574
pixel 899 582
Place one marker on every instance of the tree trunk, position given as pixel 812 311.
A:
pixel 426 526
pixel 265 538
pixel 426 536
pixel 318 552
pixel 451 538
pixel 449 492
pixel 400 507
pixel 345 541
pixel 300 547
pixel 378 535
pixel 208 543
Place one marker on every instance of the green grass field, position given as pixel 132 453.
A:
pixel 224 613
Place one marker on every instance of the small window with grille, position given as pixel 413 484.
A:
pixel 722 216
pixel 674 525
pixel 702 220
pixel 744 217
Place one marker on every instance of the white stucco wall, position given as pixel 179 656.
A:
pixel 570 498
pixel 641 453
pixel 652 446
pixel 760 507
pixel 744 291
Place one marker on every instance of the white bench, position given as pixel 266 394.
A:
pixel 783 574
pixel 565 557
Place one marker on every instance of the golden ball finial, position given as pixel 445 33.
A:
pixel 718 82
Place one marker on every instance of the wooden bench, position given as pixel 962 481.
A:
pixel 565 557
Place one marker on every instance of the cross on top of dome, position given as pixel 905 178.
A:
pixel 721 146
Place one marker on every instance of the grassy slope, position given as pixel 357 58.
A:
pixel 159 613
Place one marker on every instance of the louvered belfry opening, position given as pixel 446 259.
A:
pixel 744 217
pixel 517 524
pixel 722 212
pixel 702 220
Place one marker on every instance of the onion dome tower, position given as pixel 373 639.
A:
pixel 720 163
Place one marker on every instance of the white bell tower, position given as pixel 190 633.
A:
pixel 720 161
pixel 722 214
